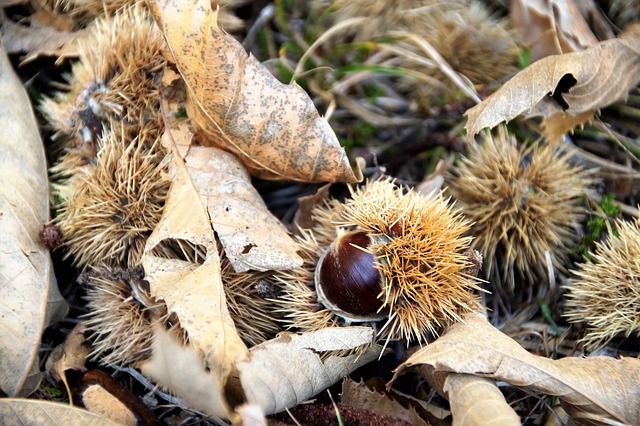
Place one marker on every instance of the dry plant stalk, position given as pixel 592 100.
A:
pixel 418 248
pixel 524 202
pixel 605 293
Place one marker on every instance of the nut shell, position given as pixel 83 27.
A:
pixel 347 280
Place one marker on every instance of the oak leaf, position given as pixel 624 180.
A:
pixel 273 128
pixel 574 83
pixel 15 411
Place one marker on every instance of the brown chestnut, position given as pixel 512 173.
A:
pixel 347 280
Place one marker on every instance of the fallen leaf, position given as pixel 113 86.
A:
pixel 283 372
pixel 14 411
pixel 550 27
pixel 192 288
pixel 252 237
pixel 70 355
pixel 302 219
pixel 273 128
pixel 572 83
pixel 29 296
pixel 360 396
pixel 583 385
pixel 39 41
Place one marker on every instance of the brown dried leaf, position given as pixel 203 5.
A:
pixel 70 355
pixel 302 218
pixel 252 237
pixel 29 296
pixel 272 127
pixel 190 289
pixel 358 395
pixel 287 370
pixel 39 41
pixel 572 83
pixel 599 389
pixel 32 412
pixel 550 27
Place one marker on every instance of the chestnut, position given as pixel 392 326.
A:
pixel 347 280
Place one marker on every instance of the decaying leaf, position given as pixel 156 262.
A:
pixel 583 384
pixel 358 395
pixel 272 127
pixel 573 83
pixel 29 296
pixel 252 237
pixel 191 285
pixel 39 41
pixel 14 411
pixel 285 371
pixel 550 27
pixel 70 355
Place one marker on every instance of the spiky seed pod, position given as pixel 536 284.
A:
pixel 112 211
pixel 119 319
pixel 248 298
pixel 418 249
pixel 524 201
pixel 605 292
pixel 115 82
pixel 465 34
pixel 84 11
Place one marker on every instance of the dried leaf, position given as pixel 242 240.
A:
pixel 272 127
pixel 302 218
pixel 29 296
pixel 287 370
pixel 39 41
pixel 70 355
pixel 192 288
pixel 252 237
pixel 600 389
pixel 181 369
pixel 358 395
pixel 32 412
pixel 572 83
pixel 550 27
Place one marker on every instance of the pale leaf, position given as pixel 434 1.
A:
pixel 550 27
pixel 192 289
pixel 70 355
pixel 181 369
pixel 285 371
pixel 252 237
pixel 29 296
pixel 572 83
pixel 601 389
pixel 32 412
pixel 273 128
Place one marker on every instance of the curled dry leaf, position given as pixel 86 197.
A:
pixel 601 390
pixel 551 27
pixel 252 237
pixel 573 83
pixel 14 411
pixel 273 128
pixel 285 371
pixel 29 296
pixel 191 286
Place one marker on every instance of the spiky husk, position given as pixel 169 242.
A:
pixel 419 248
pixel 605 292
pixel 112 210
pixel 465 34
pixel 524 201
pixel 248 298
pixel 114 83
pixel 84 11
pixel 121 315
